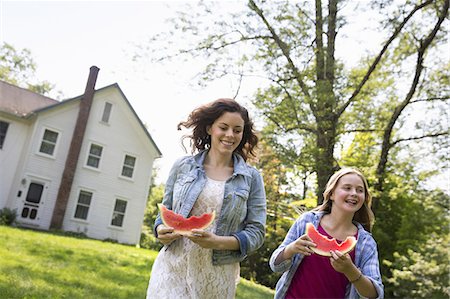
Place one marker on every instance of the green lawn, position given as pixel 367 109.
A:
pixel 43 265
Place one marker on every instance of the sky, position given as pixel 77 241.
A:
pixel 66 38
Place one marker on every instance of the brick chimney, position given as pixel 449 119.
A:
pixel 74 151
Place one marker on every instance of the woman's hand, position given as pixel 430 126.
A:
pixel 203 238
pixel 301 245
pixel 166 234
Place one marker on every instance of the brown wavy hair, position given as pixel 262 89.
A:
pixel 364 215
pixel 204 116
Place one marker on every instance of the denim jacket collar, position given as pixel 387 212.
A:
pixel 240 166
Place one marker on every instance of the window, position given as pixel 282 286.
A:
pixel 128 166
pixel 84 202
pixel 119 212
pixel 106 112
pixel 95 153
pixel 48 143
pixel 34 193
pixel 3 129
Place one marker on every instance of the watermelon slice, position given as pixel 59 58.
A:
pixel 182 225
pixel 324 244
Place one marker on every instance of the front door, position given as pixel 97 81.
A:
pixel 32 201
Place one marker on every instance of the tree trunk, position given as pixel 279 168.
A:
pixel 325 102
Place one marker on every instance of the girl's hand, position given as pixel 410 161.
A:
pixel 341 262
pixel 203 238
pixel 301 245
pixel 166 234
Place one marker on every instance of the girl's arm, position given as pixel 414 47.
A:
pixel 363 285
pixel 281 260
pixel 370 283
pixel 301 245
pixel 343 263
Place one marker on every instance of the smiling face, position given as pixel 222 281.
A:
pixel 349 193
pixel 226 132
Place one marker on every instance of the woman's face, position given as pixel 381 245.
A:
pixel 349 194
pixel 226 132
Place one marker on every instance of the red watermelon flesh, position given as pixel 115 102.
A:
pixel 182 225
pixel 324 244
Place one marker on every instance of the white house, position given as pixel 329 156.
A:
pixel 82 165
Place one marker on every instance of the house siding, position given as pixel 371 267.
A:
pixel 47 169
pixel 119 137
pixel 122 135
pixel 11 158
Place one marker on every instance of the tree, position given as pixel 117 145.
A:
pixel 382 114
pixel 311 94
pixel 18 68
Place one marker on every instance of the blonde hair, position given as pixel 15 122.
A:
pixel 364 215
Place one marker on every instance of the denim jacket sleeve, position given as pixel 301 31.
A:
pixel 252 236
pixel 368 263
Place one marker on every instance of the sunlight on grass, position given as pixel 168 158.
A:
pixel 43 265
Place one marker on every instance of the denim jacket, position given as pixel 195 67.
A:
pixel 366 257
pixel 243 213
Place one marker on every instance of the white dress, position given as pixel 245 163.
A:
pixel 185 270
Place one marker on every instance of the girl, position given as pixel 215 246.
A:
pixel 206 264
pixel 344 212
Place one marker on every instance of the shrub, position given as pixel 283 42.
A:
pixel 148 240
pixel 7 216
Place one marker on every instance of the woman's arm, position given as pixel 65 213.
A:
pixel 252 236
pixel 167 199
pixel 213 241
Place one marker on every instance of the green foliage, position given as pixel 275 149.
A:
pixel 17 67
pixel 423 272
pixel 412 230
pixel 148 239
pixel 7 216
pixel 42 265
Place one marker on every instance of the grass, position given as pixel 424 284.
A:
pixel 43 265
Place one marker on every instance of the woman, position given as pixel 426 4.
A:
pixel 205 264
pixel 344 212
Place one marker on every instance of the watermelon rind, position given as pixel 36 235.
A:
pixel 182 225
pixel 325 244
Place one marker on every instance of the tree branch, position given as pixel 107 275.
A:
pixel 419 137
pixel 287 130
pixel 283 47
pixel 445 98
pixel 380 55
pixel 387 145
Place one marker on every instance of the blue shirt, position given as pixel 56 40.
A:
pixel 366 257
pixel 243 213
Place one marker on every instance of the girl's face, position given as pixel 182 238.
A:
pixel 349 194
pixel 226 132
